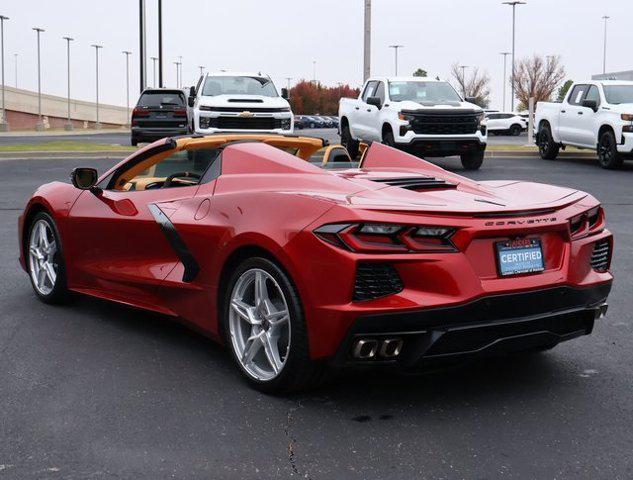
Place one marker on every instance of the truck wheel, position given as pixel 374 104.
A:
pixel 608 154
pixel 547 148
pixel 349 143
pixel 472 160
pixel 133 142
pixel 515 130
pixel 388 139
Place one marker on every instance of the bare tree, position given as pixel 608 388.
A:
pixel 537 77
pixel 477 85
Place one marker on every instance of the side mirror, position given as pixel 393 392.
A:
pixel 84 178
pixel 375 101
pixel 284 93
pixel 590 104
pixel 191 101
pixel 192 91
pixel 471 100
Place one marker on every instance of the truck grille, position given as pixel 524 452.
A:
pixel 375 280
pixel 601 256
pixel 252 123
pixel 443 124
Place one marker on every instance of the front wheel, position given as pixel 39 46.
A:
pixel 45 261
pixel 515 130
pixel 265 329
pixel 547 148
pixel 387 139
pixel 349 143
pixel 608 154
pixel 472 160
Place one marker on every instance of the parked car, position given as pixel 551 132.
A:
pixel 298 268
pixel 334 121
pixel 300 122
pixel 594 115
pixel 506 122
pixel 239 102
pixel 327 121
pixel 159 112
pixel 418 115
pixel 318 121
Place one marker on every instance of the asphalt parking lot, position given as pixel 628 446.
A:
pixel 97 390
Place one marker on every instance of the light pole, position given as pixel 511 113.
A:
pixel 15 58
pixel 154 70
pixel 464 67
pixel 97 47
pixel 288 83
pixel 177 74
pixel 39 126
pixel 69 124
pixel 367 42
pixel 395 51
pixel 505 55
pixel 604 55
pixel 142 51
pixel 127 86
pixel 179 71
pixel 4 125
pixel 201 67
pixel 314 71
pixel 513 3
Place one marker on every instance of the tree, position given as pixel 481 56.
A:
pixel 476 86
pixel 536 77
pixel 312 97
pixel 420 73
pixel 563 89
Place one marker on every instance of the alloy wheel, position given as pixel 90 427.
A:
pixel 605 149
pixel 42 257
pixel 259 324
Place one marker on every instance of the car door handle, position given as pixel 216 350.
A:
pixel 369 109
pixel 356 108
pixel 580 113
pixel 563 111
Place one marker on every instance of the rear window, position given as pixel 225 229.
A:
pixel 157 99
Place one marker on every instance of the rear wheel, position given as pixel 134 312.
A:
pixel 472 160
pixel 265 328
pixel 348 142
pixel 608 154
pixel 515 130
pixel 45 261
pixel 387 138
pixel 547 148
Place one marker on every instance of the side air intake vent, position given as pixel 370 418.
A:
pixel 375 280
pixel 601 256
pixel 415 183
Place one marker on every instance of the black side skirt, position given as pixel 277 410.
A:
pixel 177 243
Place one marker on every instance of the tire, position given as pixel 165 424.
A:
pixel 387 139
pixel 607 150
pixel 515 130
pixel 45 261
pixel 312 125
pixel 134 142
pixel 349 143
pixel 547 148
pixel 297 370
pixel 472 160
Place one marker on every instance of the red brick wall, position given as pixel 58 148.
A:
pixel 27 121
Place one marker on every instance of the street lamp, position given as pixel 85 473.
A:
pixel 314 71
pixel 15 57
pixel 513 3
pixel 201 67
pixel 4 125
pixel 97 47
pixel 180 71
pixel 69 124
pixel 39 126
pixel 505 55
pixel 154 70
pixel 127 86
pixel 177 74
pixel 288 82
pixel 464 67
pixel 395 50
pixel 604 55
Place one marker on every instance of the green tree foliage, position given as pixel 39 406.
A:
pixel 314 98
pixel 563 89
pixel 420 73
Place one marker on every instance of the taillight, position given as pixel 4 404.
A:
pixel 180 112
pixel 387 237
pixel 139 112
pixel 591 221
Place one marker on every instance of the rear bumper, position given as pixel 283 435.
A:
pixel 146 133
pixel 490 325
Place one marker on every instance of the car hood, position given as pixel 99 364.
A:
pixel 409 105
pixel 243 101
pixel 622 108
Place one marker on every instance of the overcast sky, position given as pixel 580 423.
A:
pixel 283 37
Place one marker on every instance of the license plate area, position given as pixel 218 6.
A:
pixel 519 256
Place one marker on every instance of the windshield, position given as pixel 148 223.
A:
pixel 157 99
pixel 616 94
pixel 227 85
pixel 422 92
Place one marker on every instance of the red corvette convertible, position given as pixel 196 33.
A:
pixel 300 260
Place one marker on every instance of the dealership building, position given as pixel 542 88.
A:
pixel 626 75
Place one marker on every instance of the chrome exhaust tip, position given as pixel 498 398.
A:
pixel 391 347
pixel 601 311
pixel 365 348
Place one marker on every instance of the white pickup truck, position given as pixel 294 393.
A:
pixel 239 102
pixel 415 114
pixel 597 115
